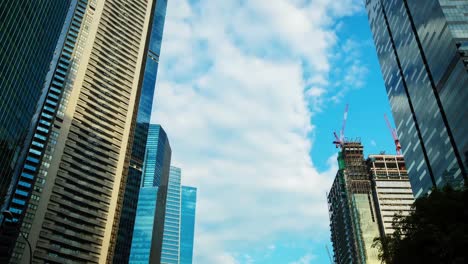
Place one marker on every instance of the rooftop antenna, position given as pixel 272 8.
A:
pixel 339 141
pixel 394 135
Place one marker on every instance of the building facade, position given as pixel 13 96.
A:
pixel 29 34
pixel 77 165
pixel 147 239
pixel 353 219
pixel 421 46
pixel 172 229
pixel 138 148
pixel 187 224
pixel 391 189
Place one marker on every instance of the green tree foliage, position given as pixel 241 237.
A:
pixel 435 232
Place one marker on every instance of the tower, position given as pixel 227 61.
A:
pixel 147 232
pixel 422 53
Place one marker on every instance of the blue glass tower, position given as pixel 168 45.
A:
pixel 187 224
pixel 147 239
pixel 135 171
pixel 422 48
pixel 170 248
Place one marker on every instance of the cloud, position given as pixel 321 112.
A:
pixel 306 259
pixel 238 84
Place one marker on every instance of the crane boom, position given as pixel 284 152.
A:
pixel 394 135
pixel 345 117
pixel 339 140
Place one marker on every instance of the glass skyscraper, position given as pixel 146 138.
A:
pixel 138 149
pixel 29 35
pixel 147 240
pixel 423 53
pixel 171 238
pixel 69 195
pixel 28 38
pixel 187 224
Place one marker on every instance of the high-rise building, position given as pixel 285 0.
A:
pixel 138 149
pixel 172 228
pixel 187 224
pixel 422 50
pixel 29 35
pixel 391 189
pixel 147 239
pixel 28 38
pixel 363 201
pixel 77 164
pixel 353 218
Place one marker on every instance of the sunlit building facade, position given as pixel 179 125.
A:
pixel 352 209
pixel 391 189
pixel 76 168
pixel 422 49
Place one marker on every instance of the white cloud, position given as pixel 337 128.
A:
pixel 306 259
pixel 238 84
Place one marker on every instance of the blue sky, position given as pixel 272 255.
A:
pixel 249 93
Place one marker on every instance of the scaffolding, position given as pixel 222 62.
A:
pixel 352 180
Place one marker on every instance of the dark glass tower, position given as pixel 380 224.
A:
pixel 29 35
pixel 147 231
pixel 127 219
pixel 187 223
pixel 421 45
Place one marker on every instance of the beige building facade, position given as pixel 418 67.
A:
pixel 75 206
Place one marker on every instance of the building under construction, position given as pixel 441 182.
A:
pixel 363 200
pixel 353 220
pixel 391 189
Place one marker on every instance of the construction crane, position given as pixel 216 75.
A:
pixel 339 141
pixel 394 135
pixel 329 255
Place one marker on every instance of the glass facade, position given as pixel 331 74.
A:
pixel 144 223
pixel 171 237
pixel 156 165
pixel 39 92
pixel 187 224
pixel 425 75
pixel 28 38
pixel 138 150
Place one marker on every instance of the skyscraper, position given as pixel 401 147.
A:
pixel 422 51
pixel 187 224
pixel 29 34
pixel 172 228
pixel 138 148
pixel 351 205
pixel 147 239
pixel 77 163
